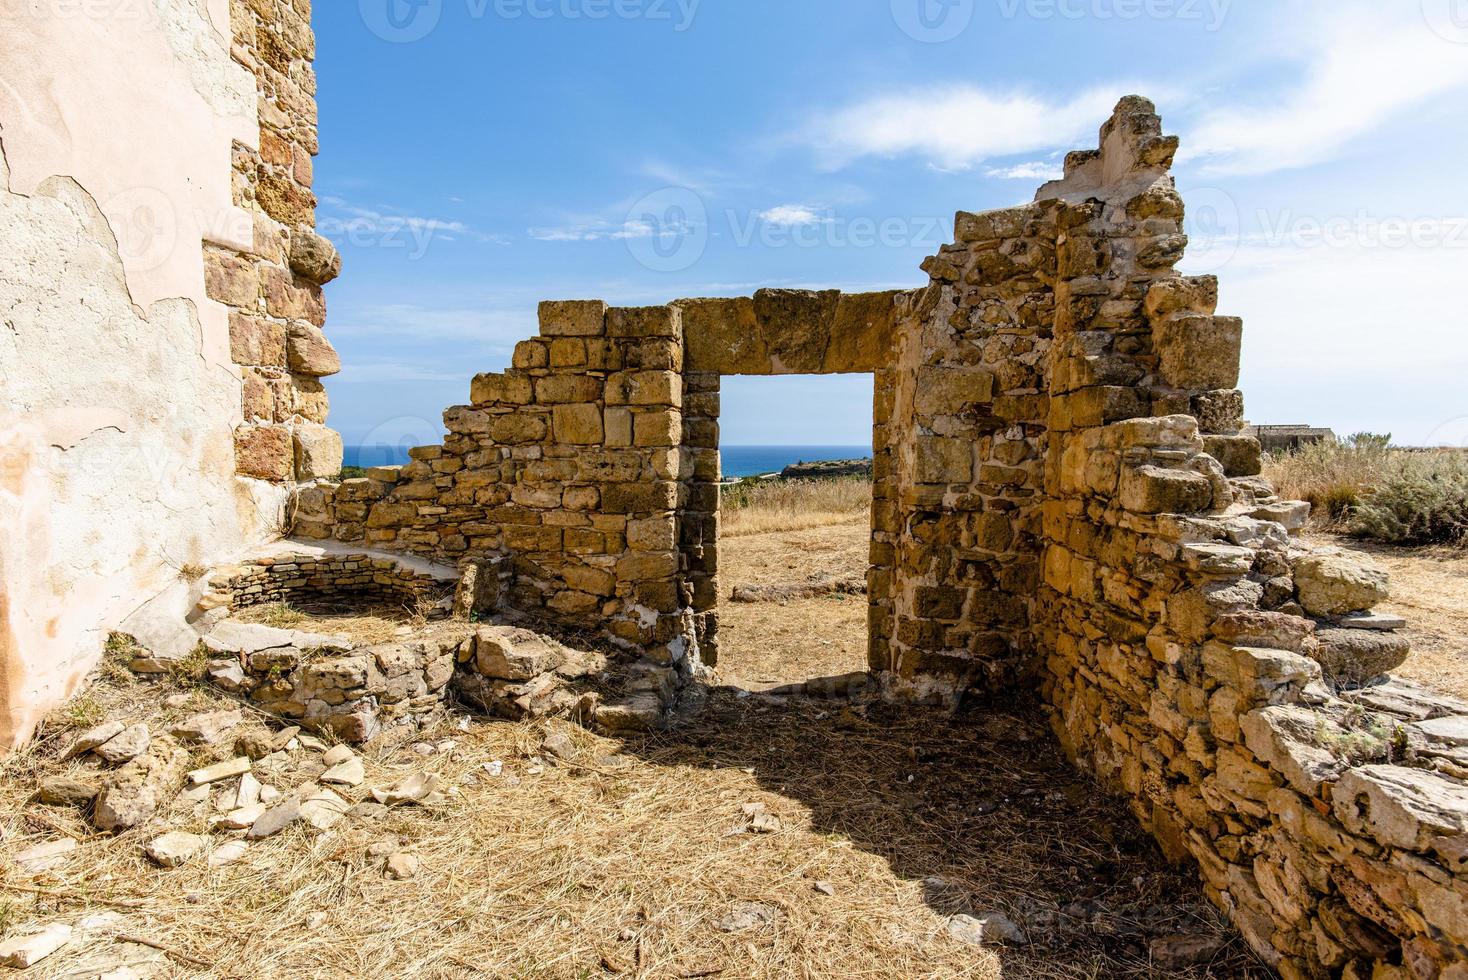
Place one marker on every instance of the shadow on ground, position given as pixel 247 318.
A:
pixel 981 807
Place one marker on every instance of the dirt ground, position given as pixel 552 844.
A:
pixel 768 644
pixel 633 858
pixel 1430 591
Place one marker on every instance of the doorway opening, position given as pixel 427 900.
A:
pixel 795 506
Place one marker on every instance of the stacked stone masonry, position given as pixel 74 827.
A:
pixel 277 310
pixel 1064 499
pixel 339 579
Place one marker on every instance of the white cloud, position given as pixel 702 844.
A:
pixel 792 215
pixel 1363 67
pixel 1034 170
pixel 956 127
pixel 362 226
pixel 390 372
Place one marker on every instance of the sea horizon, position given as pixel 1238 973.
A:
pixel 738 461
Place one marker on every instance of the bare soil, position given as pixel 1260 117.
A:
pixel 632 857
pixel 768 644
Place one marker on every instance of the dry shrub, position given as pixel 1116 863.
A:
pixel 1419 498
pixel 1364 487
pixel 764 506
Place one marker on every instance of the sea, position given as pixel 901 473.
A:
pixel 737 460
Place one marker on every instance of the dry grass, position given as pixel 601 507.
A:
pixel 770 644
pixel 622 862
pixel 1365 488
pixel 371 625
pixel 763 507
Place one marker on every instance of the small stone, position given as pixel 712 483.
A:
pixel 44 856
pixel 178 700
pixel 746 916
pixel 126 745
pixel 241 819
pixel 228 853
pixel 23 952
pixel 254 745
pixel 367 810
pixel 382 848
pixel 765 823
pixel 248 791
pixel 174 849
pixel 1373 621
pixel 1452 731
pixel 316 920
pixel 414 789
pixel 989 929
pixel 338 754
pixel 402 866
pixel 825 888
pixel 276 819
pixel 348 773
pixel 324 809
pixel 64 791
pixel 94 737
pixel 269 794
pixel 220 770
pixel 1178 952
pixel 424 749
pixel 208 727
pixel 558 746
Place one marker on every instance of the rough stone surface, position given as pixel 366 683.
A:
pixel 1334 582
pixel 24 952
pixel 174 849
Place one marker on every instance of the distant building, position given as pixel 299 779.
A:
pixel 1287 438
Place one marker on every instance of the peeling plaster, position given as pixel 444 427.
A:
pixel 118 398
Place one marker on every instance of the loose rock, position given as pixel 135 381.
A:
pixel 348 773
pixel 228 853
pixel 125 745
pixel 220 770
pixel 174 849
pixel 44 856
pixel 23 952
pixel 65 791
pixel 989 929
pixel 402 866
pixel 94 737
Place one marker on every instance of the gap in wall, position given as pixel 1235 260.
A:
pixel 793 554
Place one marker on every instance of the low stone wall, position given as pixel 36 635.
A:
pixel 298 576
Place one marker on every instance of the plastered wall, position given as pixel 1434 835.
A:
pixel 120 398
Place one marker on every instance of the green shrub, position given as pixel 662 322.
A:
pixel 1417 498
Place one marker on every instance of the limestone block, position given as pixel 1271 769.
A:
pixel 318 452
pixel 263 452
pixel 951 391
pixel 308 399
pixel 1195 294
pixel 567 389
pixel 501 389
pixel 1239 455
pixel 309 352
pixel 943 460
pixel 254 340
pixel 573 318
pixel 796 327
pixel 1199 352
pixel 531 354
pixel 657 428
pixel 618 425
pixel 512 654
pixel 577 425
pixel 723 336
pixel 645 388
pixel 1359 655
pixel 313 257
pixel 1408 808
pixel 231 279
pixel 1154 490
pixel 1331 582
pixel 518 429
pixel 645 321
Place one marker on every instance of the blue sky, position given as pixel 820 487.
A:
pixel 481 155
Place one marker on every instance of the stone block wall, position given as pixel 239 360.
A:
pixel 1064 498
pixel 273 288
pixel 314 576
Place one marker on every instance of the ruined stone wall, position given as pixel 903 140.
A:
pixel 273 287
pixel 136 139
pixel 1184 633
